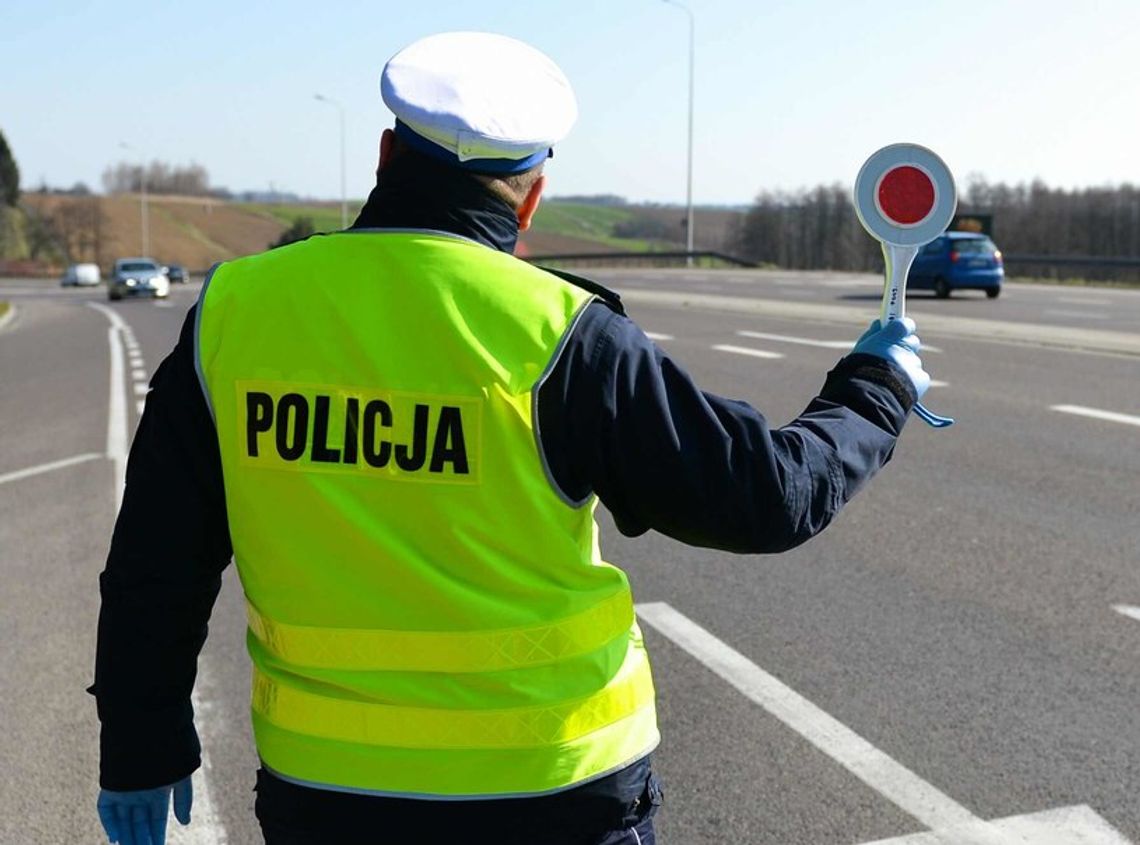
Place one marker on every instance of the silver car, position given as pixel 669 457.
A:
pixel 137 277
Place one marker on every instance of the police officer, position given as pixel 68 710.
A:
pixel 399 433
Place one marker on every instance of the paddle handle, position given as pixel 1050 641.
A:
pixel 897 260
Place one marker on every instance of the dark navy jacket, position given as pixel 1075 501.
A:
pixel 618 418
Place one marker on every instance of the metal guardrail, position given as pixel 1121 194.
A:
pixel 1072 260
pixel 640 257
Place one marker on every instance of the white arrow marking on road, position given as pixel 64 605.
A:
pixel 953 824
pixel 1131 611
pixel 1095 413
pixel 1066 826
pixel 744 350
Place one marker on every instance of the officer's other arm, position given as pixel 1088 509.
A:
pixel 170 545
pixel 620 418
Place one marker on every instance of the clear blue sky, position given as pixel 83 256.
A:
pixel 788 94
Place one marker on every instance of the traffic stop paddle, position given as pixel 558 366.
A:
pixel 905 198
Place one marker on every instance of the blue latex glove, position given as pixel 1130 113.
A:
pixel 138 817
pixel 896 342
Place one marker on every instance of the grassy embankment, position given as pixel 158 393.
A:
pixel 325 216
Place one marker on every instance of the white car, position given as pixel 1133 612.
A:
pixel 81 275
pixel 138 277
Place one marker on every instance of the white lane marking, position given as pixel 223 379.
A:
pixel 890 779
pixel 1078 825
pixel 138 372
pixel 656 336
pixel 117 403
pixel 48 467
pixel 936 383
pixel 1095 413
pixel 140 388
pixel 1079 315
pixel 1129 610
pixel 140 406
pixel 953 824
pixel 160 304
pixel 744 350
pixel 803 341
pixel 205 826
pixel 1083 300
pixel 807 341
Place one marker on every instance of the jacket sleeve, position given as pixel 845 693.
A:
pixel 620 418
pixel 170 545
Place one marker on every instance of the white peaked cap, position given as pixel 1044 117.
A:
pixel 478 100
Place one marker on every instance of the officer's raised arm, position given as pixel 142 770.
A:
pixel 621 418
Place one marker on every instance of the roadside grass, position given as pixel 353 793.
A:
pixel 3 308
pixel 590 223
pixel 326 218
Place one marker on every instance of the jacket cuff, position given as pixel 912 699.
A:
pixel 144 751
pixel 873 387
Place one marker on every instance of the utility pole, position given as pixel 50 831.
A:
pixel 689 188
pixel 343 195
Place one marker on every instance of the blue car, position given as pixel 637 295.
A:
pixel 958 261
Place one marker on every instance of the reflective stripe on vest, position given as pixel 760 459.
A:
pixel 428 615
pixel 424 727
pixel 444 651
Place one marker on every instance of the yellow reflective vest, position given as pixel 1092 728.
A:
pixel 428 615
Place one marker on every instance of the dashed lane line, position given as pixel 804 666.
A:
pixel 1083 300
pixel 802 341
pixel 807 341
pixel 48 467
pixel 658 336
pixel 1076 315
pixel 1096 413
pixel 745 350
pixel 950 822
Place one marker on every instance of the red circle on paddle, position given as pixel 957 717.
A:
pixel 906 195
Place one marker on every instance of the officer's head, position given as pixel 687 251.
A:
pixel 485 106
pixel 521 191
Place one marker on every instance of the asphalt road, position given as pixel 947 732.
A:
pixel 958 653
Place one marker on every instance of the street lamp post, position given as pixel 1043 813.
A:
pixel 343 195
pixel 689 189
pixel 142 199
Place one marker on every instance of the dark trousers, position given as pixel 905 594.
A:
pixel 616 811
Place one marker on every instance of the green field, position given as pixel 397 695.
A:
pixel 589 223
pixel 325 217
pixel 575 220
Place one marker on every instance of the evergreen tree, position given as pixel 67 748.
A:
pixel 9 175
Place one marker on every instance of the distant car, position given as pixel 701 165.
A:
pixel 81 275
pixel 177 274
pixel 137 277
pixel 958 261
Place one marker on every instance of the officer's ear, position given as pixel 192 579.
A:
pixel 387 146
pixel 530 204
